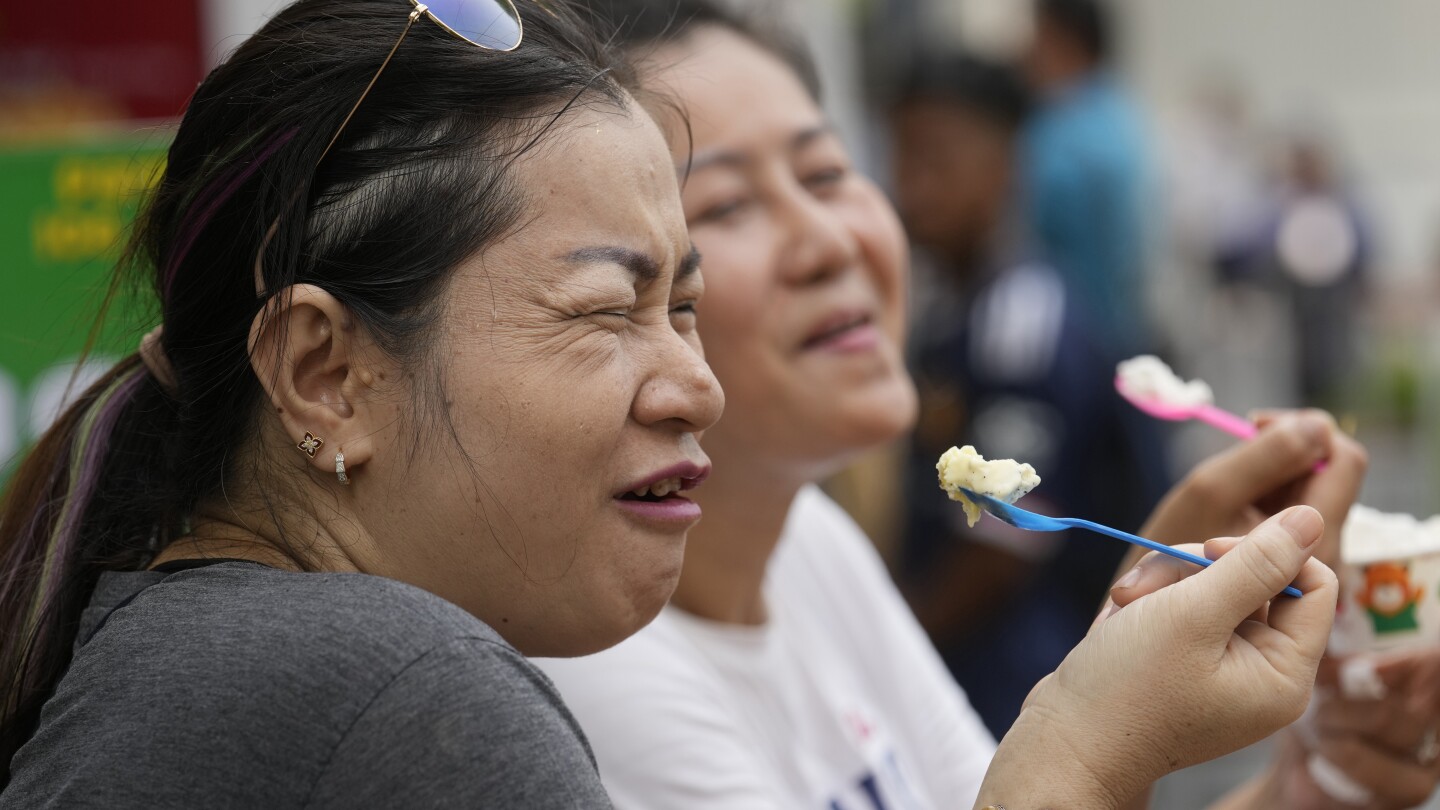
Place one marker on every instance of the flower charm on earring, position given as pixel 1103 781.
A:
pixel 340 469
pixel 310 444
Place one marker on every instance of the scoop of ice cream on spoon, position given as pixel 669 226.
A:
pixel 963 468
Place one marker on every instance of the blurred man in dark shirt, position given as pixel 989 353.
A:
pixel 1006 360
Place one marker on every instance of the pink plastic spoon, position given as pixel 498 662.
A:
pixel 1217 418
pixel 1209 414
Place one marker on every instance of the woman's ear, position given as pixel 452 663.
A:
pixel 318 371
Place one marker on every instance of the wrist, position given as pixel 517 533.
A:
pixel 1038 766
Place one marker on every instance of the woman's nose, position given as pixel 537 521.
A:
pixel 817 243
pixel 681 389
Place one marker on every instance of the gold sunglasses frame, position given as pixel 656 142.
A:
pixel 423 10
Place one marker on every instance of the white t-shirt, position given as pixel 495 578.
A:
pixel 839 702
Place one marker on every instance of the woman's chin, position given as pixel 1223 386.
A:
pixel 882 414
pixel 630 617
pixel 813 432
pixel 595 636
pixel 863 424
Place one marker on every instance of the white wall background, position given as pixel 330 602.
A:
pixel 1367 71
pixel 224 24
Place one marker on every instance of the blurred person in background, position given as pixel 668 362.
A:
pixel 1084 177
pixel 1212 175
pixel 1010 362
pixel 1313 246
pixel 786 671
pixel 1214 180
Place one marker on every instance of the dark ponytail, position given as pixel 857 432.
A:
pixel 419 182
pixel 51 547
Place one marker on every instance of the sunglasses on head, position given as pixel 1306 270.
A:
pixel 490 24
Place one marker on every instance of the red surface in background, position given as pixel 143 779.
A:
pixel 142 55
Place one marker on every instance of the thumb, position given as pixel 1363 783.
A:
pixel 1257 569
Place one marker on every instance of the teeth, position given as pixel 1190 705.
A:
pixel 659 489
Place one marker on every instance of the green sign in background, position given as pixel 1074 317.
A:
pixel 64 216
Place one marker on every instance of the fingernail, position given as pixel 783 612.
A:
pixel 1304 524
pixel 1131 578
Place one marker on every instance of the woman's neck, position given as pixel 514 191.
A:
pixel 256 535
pixel 726 555
pixel 209 542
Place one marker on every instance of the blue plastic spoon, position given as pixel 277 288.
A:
pixel 1024 519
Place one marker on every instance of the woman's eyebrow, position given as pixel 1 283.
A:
pixel 806 136
pixel 713 157
pixel 736 159
pixel 639 265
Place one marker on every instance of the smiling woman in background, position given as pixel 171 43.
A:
pixel 787 672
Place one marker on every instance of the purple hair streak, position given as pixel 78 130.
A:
pixel 87 458
pixel 208 203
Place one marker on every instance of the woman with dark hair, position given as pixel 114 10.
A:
pixel 786 671
pixel 387 443
pixel 425 397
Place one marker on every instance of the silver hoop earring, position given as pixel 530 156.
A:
pixel 340 469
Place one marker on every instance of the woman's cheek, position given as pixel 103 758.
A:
pixel 889 234
pixel 877 228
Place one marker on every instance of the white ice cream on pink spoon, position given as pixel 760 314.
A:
pixel 1152 387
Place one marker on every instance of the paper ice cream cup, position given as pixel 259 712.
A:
pixel 1390 582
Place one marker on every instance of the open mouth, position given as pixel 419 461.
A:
pixel 659 502
pixel 668 486
pixel 664 489
pixel 837 330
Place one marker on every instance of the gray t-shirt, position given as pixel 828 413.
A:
pixel 237 685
